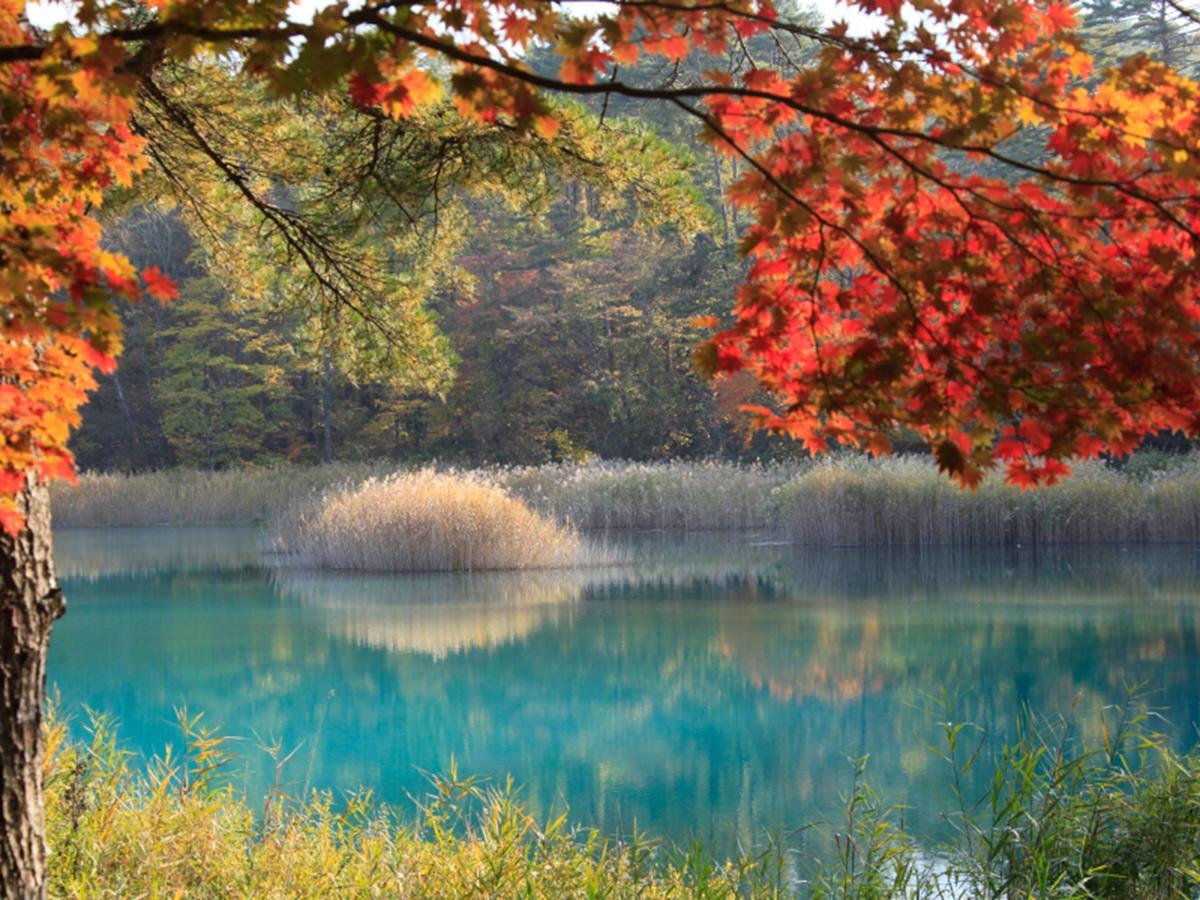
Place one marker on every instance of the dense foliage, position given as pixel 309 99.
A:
pixel 565 304
pixel 570 331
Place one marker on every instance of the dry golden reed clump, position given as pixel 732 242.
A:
pixel 425 521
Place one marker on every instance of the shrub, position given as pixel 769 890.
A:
pixel 424 521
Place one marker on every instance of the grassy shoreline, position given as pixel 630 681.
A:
pixel 1063 819
pixel 838 501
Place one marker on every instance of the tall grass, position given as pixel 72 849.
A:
pixel 836 501
pixel 180 829
pixel 681 495
pixel 676 495
pixel 424 521
pixel 904 501
pixel 1059 818
pixel 190 496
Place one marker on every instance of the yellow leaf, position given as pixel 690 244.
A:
pixel 1027 112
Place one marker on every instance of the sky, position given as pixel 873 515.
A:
pixel 45 14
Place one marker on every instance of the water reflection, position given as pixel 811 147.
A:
pixel 436 614
pixel 92 553
pixel 714 686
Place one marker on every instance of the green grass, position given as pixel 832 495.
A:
pixel 836 501
pixel 1117 819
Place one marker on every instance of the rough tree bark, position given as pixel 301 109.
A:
pixel 30 601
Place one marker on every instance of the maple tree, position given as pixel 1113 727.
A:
pixel 1024 320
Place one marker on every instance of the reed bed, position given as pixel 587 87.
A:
pixel 424 521
pixel 193 497
pixel 1119 818
pixel 836 501
pixel 905 502
pixel 594 495
pixel 682 496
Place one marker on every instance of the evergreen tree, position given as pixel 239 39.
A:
pixel 225 392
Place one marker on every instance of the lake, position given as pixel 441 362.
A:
pixel 715 686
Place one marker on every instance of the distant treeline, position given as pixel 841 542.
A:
pixel 562 351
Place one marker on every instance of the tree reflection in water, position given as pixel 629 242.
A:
pixel 714 686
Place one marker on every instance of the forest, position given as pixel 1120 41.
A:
pixel 650 448
pixel 560 283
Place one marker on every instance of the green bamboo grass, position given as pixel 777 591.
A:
pixel 837 501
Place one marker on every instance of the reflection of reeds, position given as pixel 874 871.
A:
pixel 94 553
pixel 715 561
pixel 436 614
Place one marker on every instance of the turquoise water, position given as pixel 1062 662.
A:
pixel 715 687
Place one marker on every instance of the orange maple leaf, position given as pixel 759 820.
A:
pixel 159 285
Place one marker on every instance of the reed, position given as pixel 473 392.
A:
pixel 905 502
pixel 191 496
pixel 178 828
pixel 682 496
pixel 843 500
pixel 424 521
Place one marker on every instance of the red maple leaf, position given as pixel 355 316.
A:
pixel 159 285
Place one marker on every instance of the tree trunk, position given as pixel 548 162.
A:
pixel 125 411
pixel 327 407
pixel 31 601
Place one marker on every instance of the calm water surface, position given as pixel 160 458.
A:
pixel 715 687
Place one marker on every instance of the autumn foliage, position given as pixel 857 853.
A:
pixel 65 142
pixel 1022 320
pixel 910 267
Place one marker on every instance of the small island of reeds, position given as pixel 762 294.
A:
pixel 424 521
